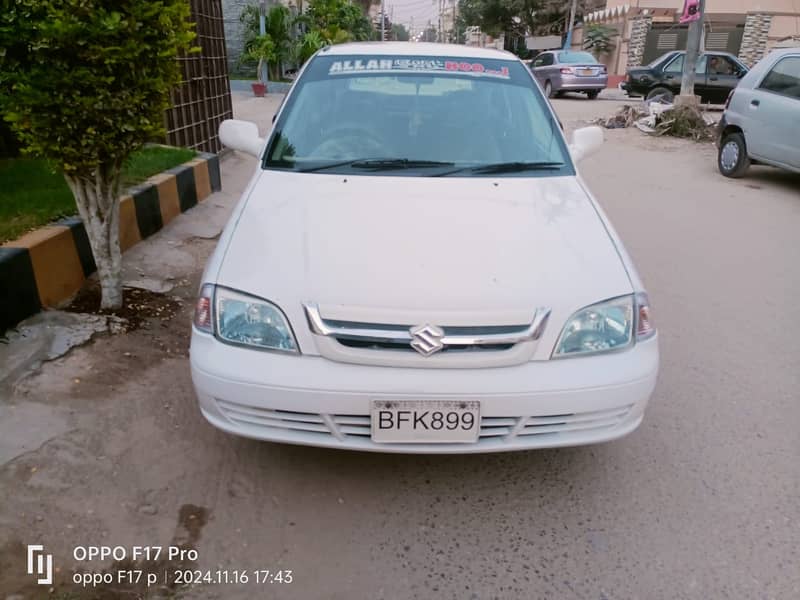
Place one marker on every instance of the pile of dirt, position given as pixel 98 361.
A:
pixel 139 306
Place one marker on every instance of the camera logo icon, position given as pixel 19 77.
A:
pixel 42 566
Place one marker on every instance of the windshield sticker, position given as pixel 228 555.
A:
pixel 405 65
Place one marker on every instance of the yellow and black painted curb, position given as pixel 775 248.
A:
pixel 49 265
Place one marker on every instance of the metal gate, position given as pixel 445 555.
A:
pixel 663 39
pixel 203 100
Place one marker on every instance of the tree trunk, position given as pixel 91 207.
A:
pixel 98 205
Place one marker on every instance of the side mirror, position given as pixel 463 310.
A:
pixel 585 141
pixel 241 135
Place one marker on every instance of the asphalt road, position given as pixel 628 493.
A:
pixel 700 502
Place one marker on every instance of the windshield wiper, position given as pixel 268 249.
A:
pixel 516 167
pixel 398 163
pixel 505 167
pixel 380 164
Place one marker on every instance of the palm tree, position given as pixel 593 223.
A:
pixel 278 22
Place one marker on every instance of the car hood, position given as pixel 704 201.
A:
pixel 455 250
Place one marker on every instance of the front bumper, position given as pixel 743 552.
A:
pixel 318 402
pixel 626 87
pixel 721 126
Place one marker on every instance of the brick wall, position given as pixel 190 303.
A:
pixel 639 29
pixel 754 40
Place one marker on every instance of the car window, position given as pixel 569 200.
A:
pixel 576 58
pixel 462 112
pixel 721 65
pixel 700 69
pixel 543 61
pixel 658 61
pixel 784 78
pixel 676 66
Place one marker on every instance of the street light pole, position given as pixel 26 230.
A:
pixel 692 52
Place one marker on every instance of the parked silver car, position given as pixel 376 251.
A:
pixel 569 71
pixel 761 123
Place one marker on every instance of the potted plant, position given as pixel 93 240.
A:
pixel 262 49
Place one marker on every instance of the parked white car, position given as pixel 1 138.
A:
pixel 416 266
pixel 761 123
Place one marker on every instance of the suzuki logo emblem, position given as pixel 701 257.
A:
pixel 426 339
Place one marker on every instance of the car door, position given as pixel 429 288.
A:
pixel 542 65
pixel 773 129
pixel 672 73
pixel 722 76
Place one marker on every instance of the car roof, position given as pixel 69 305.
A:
pixel 760 69
pixel 778 52
pixel 415 49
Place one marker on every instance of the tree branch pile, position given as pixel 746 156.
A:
pixel 685 121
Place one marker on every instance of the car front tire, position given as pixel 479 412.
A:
pixel 660 93
pixel 732 159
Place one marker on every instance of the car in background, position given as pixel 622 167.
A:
pixel 716 74
pixel 560 71
pixel 417 266
pixel 761 122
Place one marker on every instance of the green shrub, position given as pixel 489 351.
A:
pixel 84 83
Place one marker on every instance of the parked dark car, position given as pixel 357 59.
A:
pixel 717 74
pixel 560 71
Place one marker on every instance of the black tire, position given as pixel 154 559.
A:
pixel 732 159
pixel 664 93
pixel 593 94
pixel 548 89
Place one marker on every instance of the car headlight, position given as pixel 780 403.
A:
pixel 241 319
pixel 601 327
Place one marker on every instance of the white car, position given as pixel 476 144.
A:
pixel 416 266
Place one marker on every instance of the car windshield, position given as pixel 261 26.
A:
pixel 576 58
pixel 419 116
pixel 660 59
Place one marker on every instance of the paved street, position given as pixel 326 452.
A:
pixel 700 502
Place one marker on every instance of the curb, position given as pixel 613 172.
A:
pixel 49 265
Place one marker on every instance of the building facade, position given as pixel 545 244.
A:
pixel 647 29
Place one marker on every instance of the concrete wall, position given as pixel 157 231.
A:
pixel 231 9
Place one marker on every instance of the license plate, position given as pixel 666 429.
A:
pixel 586 71
pixel 425 421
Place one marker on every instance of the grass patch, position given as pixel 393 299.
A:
pixel 151 160
pixel 35 194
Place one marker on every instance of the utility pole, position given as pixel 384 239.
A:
pixel 571 25
pixel 692 52
pixel 455 21
pixel 440 36
pixel 262 29
pixel 383 21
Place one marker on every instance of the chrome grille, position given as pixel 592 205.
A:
pixel 383 336
pixel 406 346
